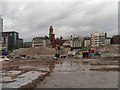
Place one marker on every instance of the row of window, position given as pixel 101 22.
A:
pixel 38 45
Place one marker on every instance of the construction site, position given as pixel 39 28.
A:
pixel 59 44
pixel 50 68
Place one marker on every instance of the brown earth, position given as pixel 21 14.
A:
pixel 39 51
pixel 112 48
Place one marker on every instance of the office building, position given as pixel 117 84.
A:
pixel 98 39
pixel 76 42
pixel 41 42
pixel 20 43
pixel 11 40
pixel 107 40
pixel 27 44
pixel 87 42
pixel 115 39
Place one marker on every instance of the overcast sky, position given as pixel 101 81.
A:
pixel 32 19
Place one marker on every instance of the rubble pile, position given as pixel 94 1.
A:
pixel 17 79
pixel 25 74
pixel 106 69
pixel 32 50
pixel 112 48
pixel 38 51
pixel 105 63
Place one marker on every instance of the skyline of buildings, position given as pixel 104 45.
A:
pixel 50 31
pixel 52 34
pixel 10 40
pixel 66 37
pixel 41 42
pixel 82 21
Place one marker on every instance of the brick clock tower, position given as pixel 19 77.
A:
pixel 52 36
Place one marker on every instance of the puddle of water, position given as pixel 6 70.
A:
pixel 45 69
pixel 34 67
pixel 69 66
pixel 26 79
pixel 104 66
pixel 27 66
pixel 5 79
pixel 110 66
pixel 14 72
pixel 9 73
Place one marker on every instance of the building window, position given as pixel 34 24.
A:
pixel 10 34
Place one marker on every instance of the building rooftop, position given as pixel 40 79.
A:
pixel 38 38
pixel 116 35
pixel 10 32
pixel 86 38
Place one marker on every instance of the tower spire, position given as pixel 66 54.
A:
pixel 52 36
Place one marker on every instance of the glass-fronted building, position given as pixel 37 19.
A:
pixel 10 40
pixel 1 30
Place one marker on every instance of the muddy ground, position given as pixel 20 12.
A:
pixel 68 72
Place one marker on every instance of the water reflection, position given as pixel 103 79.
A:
pixel 67 66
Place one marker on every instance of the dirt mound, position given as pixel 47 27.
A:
pixel 39 51
pixel 112 48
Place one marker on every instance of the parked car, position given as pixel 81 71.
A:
pixel 4 58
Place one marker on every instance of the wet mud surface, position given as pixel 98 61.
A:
pixel 73 73
pixel 60 73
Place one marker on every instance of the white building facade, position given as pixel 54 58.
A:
pixel 98 39
pixel 76 43
pixel 41 42
pixel 107 41
pixel 87 43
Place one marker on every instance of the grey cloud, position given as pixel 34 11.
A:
pixel 80 18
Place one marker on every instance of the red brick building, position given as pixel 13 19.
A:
pixel 60 41
pixel 52 36
pixel 115 39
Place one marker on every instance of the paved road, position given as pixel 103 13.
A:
pixel 72 74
